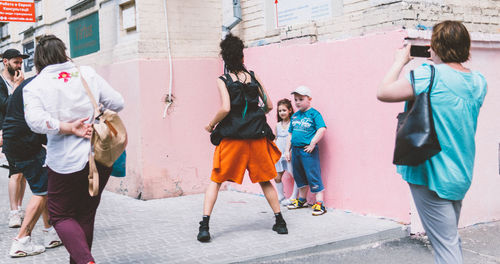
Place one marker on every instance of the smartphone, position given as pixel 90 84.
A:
pixel 420 51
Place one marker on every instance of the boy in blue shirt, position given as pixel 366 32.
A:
pixel 307 127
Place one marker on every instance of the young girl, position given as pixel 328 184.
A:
pixel 285 111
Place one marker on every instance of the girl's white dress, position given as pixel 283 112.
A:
pixel 281 138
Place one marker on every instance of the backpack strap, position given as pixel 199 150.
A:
pixel 226 78
pixel 264 98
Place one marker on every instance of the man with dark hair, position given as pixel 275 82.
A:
pixel 11 77
pixel 26 154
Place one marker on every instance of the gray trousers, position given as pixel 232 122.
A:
pixel 440 220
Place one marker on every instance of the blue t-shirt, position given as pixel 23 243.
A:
pixel 303 126
pixel 456 98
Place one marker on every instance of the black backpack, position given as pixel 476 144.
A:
pixel 246 119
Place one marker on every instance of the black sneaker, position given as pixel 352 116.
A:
pixel 203 235
pixel 280 228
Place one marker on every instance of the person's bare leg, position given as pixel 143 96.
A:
pixel 271 196
pixel 14 187
pixel 45 215
pixel 279 185
pixel 211 197
pixel 208 205
pixel 320 196
pixel 20 192
pixel 303 192
pixel 272 199
pixel 34 209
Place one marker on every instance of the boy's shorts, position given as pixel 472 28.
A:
pixel 307 169
pixel 33 170
pixel 233 156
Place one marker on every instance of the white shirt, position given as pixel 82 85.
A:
pixel 58 95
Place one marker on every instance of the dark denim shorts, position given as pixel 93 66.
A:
pixel 34 170
pixel 306 169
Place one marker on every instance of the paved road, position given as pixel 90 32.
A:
pixel 164 231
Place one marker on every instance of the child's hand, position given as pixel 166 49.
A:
pixel 309 148
pixel 288 156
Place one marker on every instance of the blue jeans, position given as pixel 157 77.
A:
pixel 307 169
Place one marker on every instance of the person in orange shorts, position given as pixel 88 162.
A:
pixel 243 138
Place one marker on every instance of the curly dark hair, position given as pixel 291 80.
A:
pixel 232 53
pixel 288 104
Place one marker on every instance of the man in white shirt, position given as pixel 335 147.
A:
pixel 11 77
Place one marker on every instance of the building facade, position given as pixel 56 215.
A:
pixel 162 55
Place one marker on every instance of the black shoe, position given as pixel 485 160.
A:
pixel 204 235
pixel 280 228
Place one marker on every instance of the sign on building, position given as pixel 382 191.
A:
pixel 17 11
pixel 29 49
pixel 291 12
pixel 84 35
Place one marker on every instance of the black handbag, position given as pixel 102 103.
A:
pixel 416 138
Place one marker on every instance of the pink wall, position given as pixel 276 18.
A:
pixel 173 156
pixel 356 151
pixel 482 202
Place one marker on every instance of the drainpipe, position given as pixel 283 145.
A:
pixel 168 99
pixel 236 18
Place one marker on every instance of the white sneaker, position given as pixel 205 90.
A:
pixel 51 239
pixel 286 202
pixel 14 219
pixel 22 213
pixel 23 247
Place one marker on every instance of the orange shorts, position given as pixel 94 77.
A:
pixel 233 156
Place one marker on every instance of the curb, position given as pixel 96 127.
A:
pixel 350 244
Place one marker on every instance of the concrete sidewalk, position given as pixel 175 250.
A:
pixel 480 245
pixel 164 231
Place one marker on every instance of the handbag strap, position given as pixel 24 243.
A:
pixel 431 83
pixel 97 111
pixel 433 71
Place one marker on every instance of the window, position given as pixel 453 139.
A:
pixel 282 13
pixel 38 10
pixel 4 30
pixel 128 16
pixel 82 6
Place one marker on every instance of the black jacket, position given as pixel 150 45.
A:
pixel 4 96
pixel 19 142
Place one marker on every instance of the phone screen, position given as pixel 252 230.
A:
pixel 420 51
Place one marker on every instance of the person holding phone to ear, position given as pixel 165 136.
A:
pixel 439 184
pixel 11 78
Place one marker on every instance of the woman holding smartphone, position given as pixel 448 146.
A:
pixel 439 185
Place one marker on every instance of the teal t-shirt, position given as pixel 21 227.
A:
pixel 456 98
pixel 303 126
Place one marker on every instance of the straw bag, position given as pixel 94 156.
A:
pixel 108 141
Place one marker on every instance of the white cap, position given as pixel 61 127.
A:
pixel 303 90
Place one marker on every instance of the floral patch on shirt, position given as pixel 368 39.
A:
pixel 66 76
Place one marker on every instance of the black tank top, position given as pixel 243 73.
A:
pixel 246 119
